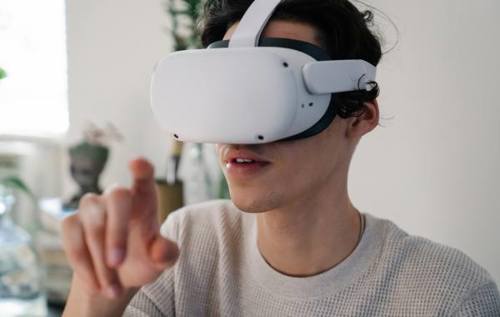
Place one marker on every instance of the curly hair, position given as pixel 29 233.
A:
pixel 344 32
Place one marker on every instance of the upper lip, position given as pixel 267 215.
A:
pixel 232 155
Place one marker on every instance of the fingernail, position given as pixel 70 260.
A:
pixel 113 291
pixel 115 257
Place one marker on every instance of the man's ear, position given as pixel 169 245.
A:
pixel 364 123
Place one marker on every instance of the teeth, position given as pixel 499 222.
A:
pixel 243 160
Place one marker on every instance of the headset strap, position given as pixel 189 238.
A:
pixel 252 24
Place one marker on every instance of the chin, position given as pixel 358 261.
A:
pixel 255 202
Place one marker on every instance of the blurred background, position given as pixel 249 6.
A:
pixel 74 110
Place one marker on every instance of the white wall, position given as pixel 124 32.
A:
pixel 113 46
pixel 433 169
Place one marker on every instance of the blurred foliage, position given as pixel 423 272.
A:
pixel 3 74
pixel 185 15
pixel 15 183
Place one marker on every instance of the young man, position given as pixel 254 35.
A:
pixel 290 242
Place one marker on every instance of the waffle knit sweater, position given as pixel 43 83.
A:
pixel 220 272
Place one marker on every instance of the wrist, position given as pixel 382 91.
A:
pixel 81 302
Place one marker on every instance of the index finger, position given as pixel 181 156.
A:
pixel 143 176
pixel 144 186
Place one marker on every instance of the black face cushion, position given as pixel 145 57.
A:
pixel 312 50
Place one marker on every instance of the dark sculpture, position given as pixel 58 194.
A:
pixel 87 164
pixel 88 160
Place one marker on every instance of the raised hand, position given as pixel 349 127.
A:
pixel 113 242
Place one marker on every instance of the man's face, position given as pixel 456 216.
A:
pixel 289 172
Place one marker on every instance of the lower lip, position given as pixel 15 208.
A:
pixel 246 170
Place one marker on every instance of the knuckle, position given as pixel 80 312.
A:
pixel 88 200
pixel 92 212
pixel 69 223
pixel 119 194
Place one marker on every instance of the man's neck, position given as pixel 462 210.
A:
pixel 311 236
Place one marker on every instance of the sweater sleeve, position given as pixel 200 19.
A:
pixel 157 299
pixel 142 306
pixel 484 302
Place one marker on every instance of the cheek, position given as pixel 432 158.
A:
pixel 310 160
pixel 298 163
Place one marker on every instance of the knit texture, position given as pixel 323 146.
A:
pixel 220 272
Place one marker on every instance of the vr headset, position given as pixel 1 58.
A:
pixel 252 90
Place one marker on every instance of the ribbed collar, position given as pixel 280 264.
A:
pixel 324 284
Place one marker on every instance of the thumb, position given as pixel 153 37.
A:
pixel 163 252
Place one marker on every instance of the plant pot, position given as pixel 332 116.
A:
pixel 169 198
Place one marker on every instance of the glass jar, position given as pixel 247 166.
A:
pixel 21 293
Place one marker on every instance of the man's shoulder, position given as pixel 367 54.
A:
pixel 430 266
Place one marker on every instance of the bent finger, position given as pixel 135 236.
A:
pixel 119 209
pixel 78 254
pixel 93 215
pixel 163 252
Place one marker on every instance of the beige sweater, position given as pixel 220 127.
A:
pixel 220 272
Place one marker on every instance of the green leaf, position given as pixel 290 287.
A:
pixel 17 184
pixel 3 74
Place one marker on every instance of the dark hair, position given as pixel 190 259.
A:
pixel 343 32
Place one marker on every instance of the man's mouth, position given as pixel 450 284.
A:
pixel 245 162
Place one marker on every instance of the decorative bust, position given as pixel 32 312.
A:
pixel 88 160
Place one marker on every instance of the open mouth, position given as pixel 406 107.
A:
pixel 240 162
pixel 245 163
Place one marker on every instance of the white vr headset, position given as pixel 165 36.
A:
pixel 250 90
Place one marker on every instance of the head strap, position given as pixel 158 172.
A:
pixel 252 24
